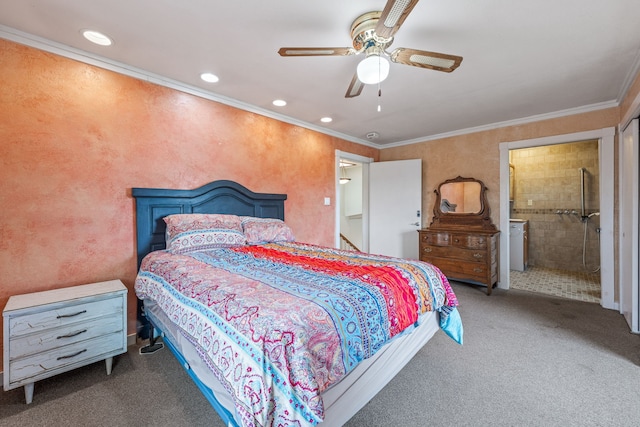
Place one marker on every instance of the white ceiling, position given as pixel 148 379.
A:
pixel 521 59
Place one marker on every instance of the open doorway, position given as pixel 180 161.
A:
pixel 554 215
pixel 351 206
pixel 605 139
pixel 390 209
pixel 352 201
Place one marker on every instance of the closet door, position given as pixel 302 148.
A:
pixel 628 191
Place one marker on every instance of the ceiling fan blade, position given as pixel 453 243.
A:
pixel 393 15
pixel 316 51
pixel 422 58
pixel 355 87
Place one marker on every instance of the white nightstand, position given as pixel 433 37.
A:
pixel 50 332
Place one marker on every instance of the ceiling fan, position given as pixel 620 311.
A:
pixel 372 33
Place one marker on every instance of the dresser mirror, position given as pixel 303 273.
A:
pixel 462 203
pixel 460 197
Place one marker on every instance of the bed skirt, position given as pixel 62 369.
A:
pixel 341 402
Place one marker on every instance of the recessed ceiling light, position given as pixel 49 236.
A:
pixel 97 37
pixel 209 77
pixel 326 120
pixel 279 102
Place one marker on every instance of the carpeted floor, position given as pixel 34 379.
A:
pixel 528 360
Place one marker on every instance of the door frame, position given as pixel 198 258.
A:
pixel 628 221
pixel 606 153
pixel 365 161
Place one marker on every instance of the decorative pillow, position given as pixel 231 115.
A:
pixel 198 232
pixel 266 230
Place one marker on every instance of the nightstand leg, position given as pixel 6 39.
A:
pixel 109 363
pixel 28 393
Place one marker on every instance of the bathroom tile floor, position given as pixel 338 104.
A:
pixel 583 286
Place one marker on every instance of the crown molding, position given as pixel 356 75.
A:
pixel 50 46
pixel 121 68
pixel 507 123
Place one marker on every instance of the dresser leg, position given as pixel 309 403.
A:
pixel 28 393
pixel 109 363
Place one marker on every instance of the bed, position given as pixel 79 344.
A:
pixel 275 331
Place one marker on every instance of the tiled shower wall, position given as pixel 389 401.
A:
pixel 545 185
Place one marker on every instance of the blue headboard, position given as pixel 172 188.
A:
pixel 224 197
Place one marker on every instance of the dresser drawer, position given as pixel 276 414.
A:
pixel 453 252
pixel 469 241
pixel 460 240
pixel 63 315
pixel 436 239
pixel 65 335
pixel 49 361
pixel 458 270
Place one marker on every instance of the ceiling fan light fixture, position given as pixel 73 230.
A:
pixel 373 69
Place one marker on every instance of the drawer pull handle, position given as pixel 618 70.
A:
pixel 72 355
pixel 477 255
pixel 62 316
pixel 427 249
pixel 73 334
pixel 477 270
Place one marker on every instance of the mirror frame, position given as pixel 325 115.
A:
pixel 475 220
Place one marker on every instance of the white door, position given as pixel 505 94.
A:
pixel 629 156
pixel 395 203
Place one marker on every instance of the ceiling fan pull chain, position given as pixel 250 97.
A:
pixel 379 88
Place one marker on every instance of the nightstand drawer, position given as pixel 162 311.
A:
pixel 50 332
pixel 66 335
pixel 64 315
pixel 49 361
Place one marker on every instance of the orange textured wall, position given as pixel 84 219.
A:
pixel 630 105
pixel 74 140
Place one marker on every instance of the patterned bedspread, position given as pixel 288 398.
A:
pixel 280 323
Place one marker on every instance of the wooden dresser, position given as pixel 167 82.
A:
pixel 50 332
pixel 461 240
pixel 468 256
